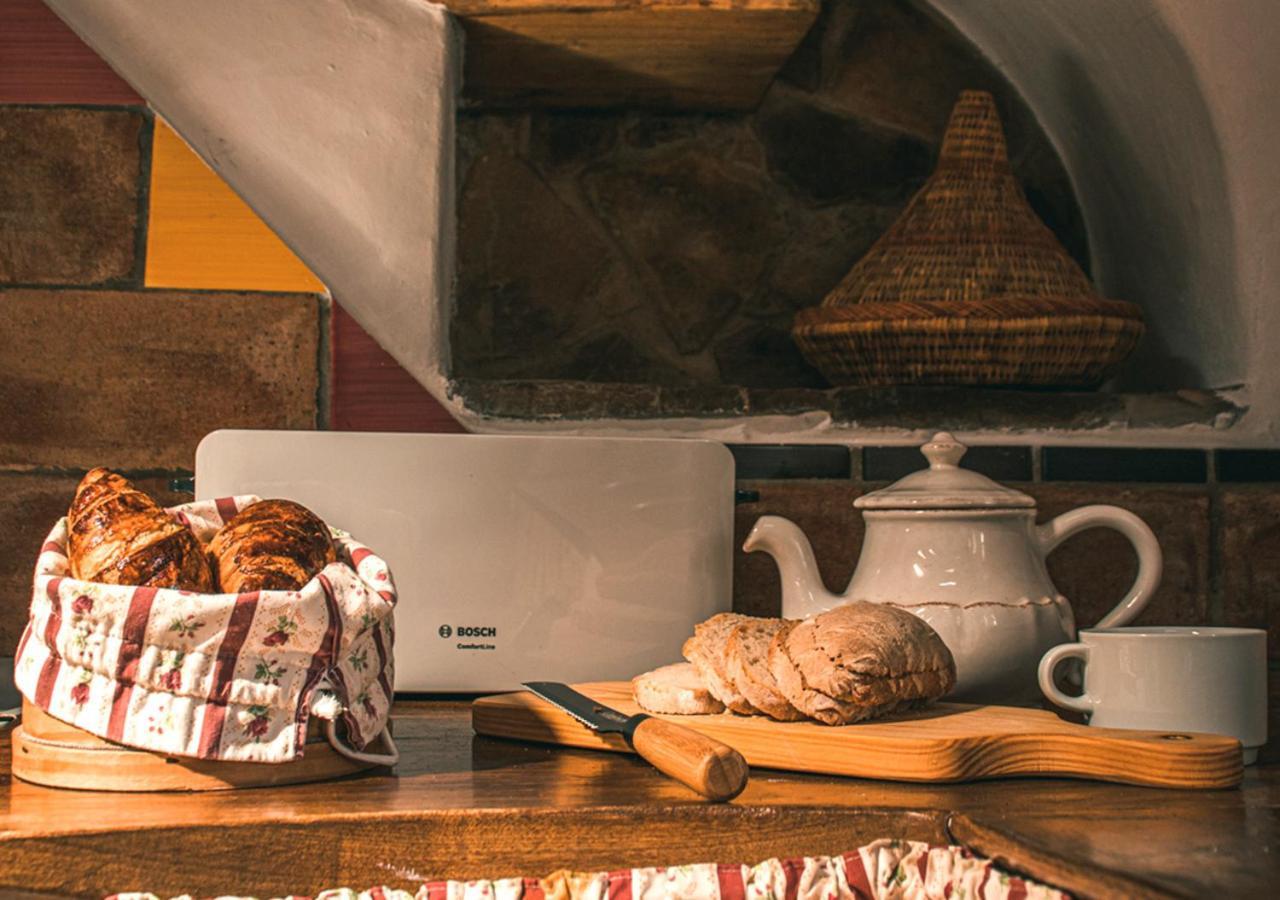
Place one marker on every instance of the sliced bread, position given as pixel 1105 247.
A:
pixel 747 660
pixel 676 689
pixel 706 650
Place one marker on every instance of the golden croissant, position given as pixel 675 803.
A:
pixel 116 534
pixel 271 545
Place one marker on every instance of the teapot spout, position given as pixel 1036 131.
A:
pixel 803 593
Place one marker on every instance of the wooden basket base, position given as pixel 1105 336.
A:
pixel 50 752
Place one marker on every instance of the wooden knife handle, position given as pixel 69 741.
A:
pixel 714 770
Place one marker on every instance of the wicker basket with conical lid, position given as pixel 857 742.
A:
pixel 968 286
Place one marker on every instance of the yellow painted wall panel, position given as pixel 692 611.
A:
pixel 201 235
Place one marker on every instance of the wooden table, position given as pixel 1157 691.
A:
pixel 463 806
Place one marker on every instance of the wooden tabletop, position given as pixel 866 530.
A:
pixel 462 806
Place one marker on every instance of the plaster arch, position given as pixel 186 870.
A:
pixel 1162 112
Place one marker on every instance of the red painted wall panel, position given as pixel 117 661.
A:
pixel 371 392
pixel 42 61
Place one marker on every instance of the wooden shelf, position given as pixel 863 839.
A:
pixel 463 806
pixel 673 54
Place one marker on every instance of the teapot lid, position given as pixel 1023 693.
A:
pixel 944 485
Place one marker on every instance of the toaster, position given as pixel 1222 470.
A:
pixel 516 558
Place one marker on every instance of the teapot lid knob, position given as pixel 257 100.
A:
pixel 944 485
pixel 944 451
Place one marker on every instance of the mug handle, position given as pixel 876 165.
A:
pixel 1150 558
pixel 1084 703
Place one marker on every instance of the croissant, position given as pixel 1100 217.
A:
pixel 116 534
pixel 271 545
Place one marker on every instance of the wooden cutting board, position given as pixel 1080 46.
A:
pixel 52 753
pixel 947 742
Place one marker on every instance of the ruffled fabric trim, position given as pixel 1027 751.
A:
pixel 882 870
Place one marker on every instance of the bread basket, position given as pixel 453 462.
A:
pixel 212 678
pixel 968 286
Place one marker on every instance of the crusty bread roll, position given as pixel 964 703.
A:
pixel 814 704
pixel 706 650
pixel 676 689
pixel 271 545
pixel 859 661
pixel 747 659
pixel 116 534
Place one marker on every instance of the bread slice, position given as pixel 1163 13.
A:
pixel 747 659
pixel 859 661
pixel 676 689
pixel 706 650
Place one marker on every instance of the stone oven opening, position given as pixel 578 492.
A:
pixel 673 250
pixel 647 264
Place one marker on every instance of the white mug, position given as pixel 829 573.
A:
pixel 1166 678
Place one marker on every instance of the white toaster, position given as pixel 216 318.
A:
pixel 516 557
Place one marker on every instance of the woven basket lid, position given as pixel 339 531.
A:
pixel 967 238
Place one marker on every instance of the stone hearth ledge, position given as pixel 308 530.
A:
pixel 850 415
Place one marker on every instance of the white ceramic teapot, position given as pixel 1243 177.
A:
pixel 964 554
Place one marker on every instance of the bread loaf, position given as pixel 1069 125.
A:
pixel 859 661
pixel 676 689
pixel 271 545
pixel 116 534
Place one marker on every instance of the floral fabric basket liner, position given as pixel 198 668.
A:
pixel 882 870
pixel 215 676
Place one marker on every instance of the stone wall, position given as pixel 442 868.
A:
pixel 675 249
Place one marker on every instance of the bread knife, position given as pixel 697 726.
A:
pixel 714 770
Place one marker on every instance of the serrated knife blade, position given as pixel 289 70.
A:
pixel 711 768
pixel 595 716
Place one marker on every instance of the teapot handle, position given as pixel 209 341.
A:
pixel 1150 558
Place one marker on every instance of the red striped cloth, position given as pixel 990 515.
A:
pixel 212 676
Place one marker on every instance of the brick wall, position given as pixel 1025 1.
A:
pixel 142 304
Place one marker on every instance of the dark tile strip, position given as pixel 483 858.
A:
pixel 1241 466
pixel 1215 606
pixel 324 364
pixel 773 461
pixel 36 471
pixel 146 138
pixel 1000 463
pixel 1181 466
